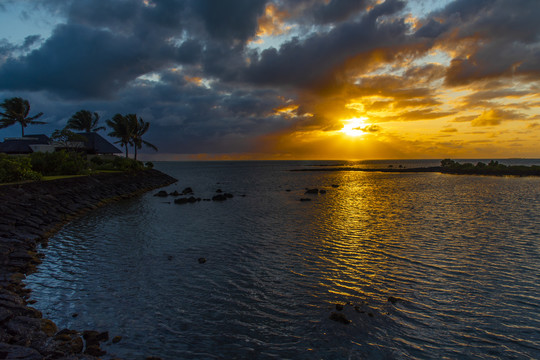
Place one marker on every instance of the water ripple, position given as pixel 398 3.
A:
pixel 460 254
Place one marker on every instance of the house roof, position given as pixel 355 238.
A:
pixel 22 145
pixel 95 143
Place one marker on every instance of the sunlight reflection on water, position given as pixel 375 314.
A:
pixel 461 253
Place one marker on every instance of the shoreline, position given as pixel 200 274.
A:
pixel 528 171
pixel 30 213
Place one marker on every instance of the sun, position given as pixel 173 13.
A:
pixel 354 127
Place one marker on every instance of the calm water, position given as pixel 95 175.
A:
pixel 461 252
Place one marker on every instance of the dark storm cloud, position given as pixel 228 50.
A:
pixel 504 33
pixel 305 62
pixel 338 10
pixel 229 20
pixel 78 61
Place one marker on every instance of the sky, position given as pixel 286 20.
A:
pixel 277 79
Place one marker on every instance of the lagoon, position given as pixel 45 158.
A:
pixel 460 254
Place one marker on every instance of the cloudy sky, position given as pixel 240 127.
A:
pixel 285 79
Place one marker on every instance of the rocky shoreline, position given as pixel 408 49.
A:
pixel 29 214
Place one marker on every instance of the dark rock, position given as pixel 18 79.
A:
pixel 335 186
pixel 370 314
pixel 202 260
pixel 219 191
pixel 175 193
pixel 15 352
pixel 219 197
pixel 339 307
pixel 305 199
pixel 94 350
pixel 322 191
pixel 181 201
pixel 74 315
pixel 288 190
pixel 116 339
pixel 394 299
pixel 339 317
pixel 187 191
pixel 312 191
pixel 161 193
pixel 170 257
pixel 48 327
pixel 192 200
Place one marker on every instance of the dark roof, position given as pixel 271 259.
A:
pixel 96 144
pixel 21 145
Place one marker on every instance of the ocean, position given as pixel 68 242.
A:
pixel 381 266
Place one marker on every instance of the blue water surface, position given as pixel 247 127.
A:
pixel 459 255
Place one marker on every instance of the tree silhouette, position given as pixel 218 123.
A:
pixel 139 128
pixel 122 130
pixel 16 111
pixel 84 120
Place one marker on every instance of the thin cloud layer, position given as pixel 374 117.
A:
pixel 280 77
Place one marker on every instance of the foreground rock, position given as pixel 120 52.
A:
pixel 31 212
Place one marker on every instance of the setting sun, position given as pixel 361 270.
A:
pixel 354 127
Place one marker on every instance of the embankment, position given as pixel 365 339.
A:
pixel 29 214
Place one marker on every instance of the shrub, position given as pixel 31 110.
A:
pixel 149 165
pixel 59 163
pixel 118 164
pixel 16 169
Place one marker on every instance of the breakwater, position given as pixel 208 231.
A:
pixel 29 214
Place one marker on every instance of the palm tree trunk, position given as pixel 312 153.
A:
pixel 135 147
pixel 127 151
pixel 22 128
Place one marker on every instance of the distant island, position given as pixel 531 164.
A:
pixel 447 166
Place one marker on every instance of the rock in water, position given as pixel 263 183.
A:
pixel 161 193
pixel 202 260
pixel 339 317
pixel 394 299
pixel 312 191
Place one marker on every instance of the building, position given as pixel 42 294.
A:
pixel 90 143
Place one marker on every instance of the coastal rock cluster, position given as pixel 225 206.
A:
pixel 219 196
pixel 30 213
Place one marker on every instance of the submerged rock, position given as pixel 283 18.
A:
pixel 312 191
pixel 322 191
pixel 116 339
pixel 394 299
pixel 339 317
pixel 305 199
pixel 187 191
pixel 202 260
pixel 219 197
pixel 335 185
pixel 161 193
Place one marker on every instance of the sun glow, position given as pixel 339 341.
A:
pixel 354 127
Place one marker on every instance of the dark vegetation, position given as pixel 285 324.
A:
pixel 492 168
pixel 39 164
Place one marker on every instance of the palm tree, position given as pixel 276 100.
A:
pixel 139 128
pixel 121 129
pixel 16 110
pixel 84 120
